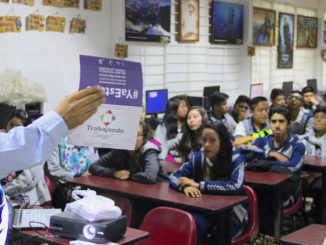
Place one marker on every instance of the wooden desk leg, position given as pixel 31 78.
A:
pixel 223 235
pixel 323 198
pixel 277 204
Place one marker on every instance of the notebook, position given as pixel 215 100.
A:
pixel 24 219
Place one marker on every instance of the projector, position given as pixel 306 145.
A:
pixel 73 227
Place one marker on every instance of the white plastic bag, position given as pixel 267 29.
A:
pixel 93 207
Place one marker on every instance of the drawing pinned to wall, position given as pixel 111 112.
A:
pixel 285 40
pixel 71 3
pixel 264 27
pixel 26 2
pixel 121 50
pixel 53 3
pixel 148 20
pixel 226 23
pixel 307 30
pixel 77 25
pixel 93 4
pixel 35 22
pixel 189 21
pixel 10 24
pixel 56 24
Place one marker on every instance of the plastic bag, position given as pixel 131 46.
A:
pixel 93 207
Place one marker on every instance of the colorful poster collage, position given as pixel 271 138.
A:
pixel 93 4
pixel 4 1
pixel 56 24
pixel 62 3
pixel 10 24
pixel 35 22
pixel 77 25
pixel 26 2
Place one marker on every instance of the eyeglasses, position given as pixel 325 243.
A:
pixel 139 135
pixel 243 107
pixel 293 97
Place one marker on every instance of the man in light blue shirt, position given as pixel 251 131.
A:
pixel 25 147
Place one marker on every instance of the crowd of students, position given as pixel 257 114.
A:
pixel 213 145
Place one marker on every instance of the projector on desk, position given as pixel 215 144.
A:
pixel 73 227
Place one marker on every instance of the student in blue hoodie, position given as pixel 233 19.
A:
pixel 213 170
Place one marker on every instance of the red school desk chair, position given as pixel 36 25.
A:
pixel 48 184
pixel 169 226
pixel 125 204
pixel 252 228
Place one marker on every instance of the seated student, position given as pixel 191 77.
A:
pixel 192 134
pixel 240 108
pixel 301 122
pixel 169 133
pixel 277 97
pixel 213 170
pixel 285 153
pixel 69 161
pixel 255 126
pixel 219 104
pixel 316 146
pixel 310 99
pixel 29 182
pixel 141 165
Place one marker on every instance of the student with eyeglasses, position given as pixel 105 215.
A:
pixel 301 122
pixel 140 165
pixel 240 108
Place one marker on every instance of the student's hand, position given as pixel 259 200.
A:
pixel 122 174
pixel 79 106
pixel 241 141
pixel 314 101
pixel 252 146
pixel 278 156
pixel 86 173
pixel 191 191
pixel 184 181
pixel 242 115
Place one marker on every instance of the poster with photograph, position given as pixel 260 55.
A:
pixel 26 2
pixel 93 4
pixel 307 30
pixel 56 24
pixel 285 40
pixel 226 23
pixel 77 25
pixel 10 24
pixel 53 3
pixel 71 3
pixel 189 21
pixel 264 27
pixel 115 123
pixel 148 20
pixel 35 22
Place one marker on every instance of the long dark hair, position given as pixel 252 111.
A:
pixel 223 163
pixel 191 140
pixel 123 160
pixel 21 115
pixel 171 118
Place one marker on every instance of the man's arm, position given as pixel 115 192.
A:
pixel 25 147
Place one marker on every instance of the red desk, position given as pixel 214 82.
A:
pixel 162 194
pixel 273 182
pixel 130 237
pixel 318 164
pixel 309 235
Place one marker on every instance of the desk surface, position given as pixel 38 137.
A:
pixel 160 192
pixel 312 235
pixel 266 178
pixel 319 162
pixel 130 237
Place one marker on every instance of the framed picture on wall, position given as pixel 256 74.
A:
pixel 285 40
pixel 148 20
pixel 264 27
pixel 307 30
pixel 226 23
pixel 189 21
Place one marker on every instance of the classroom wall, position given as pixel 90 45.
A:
pixel 53 58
